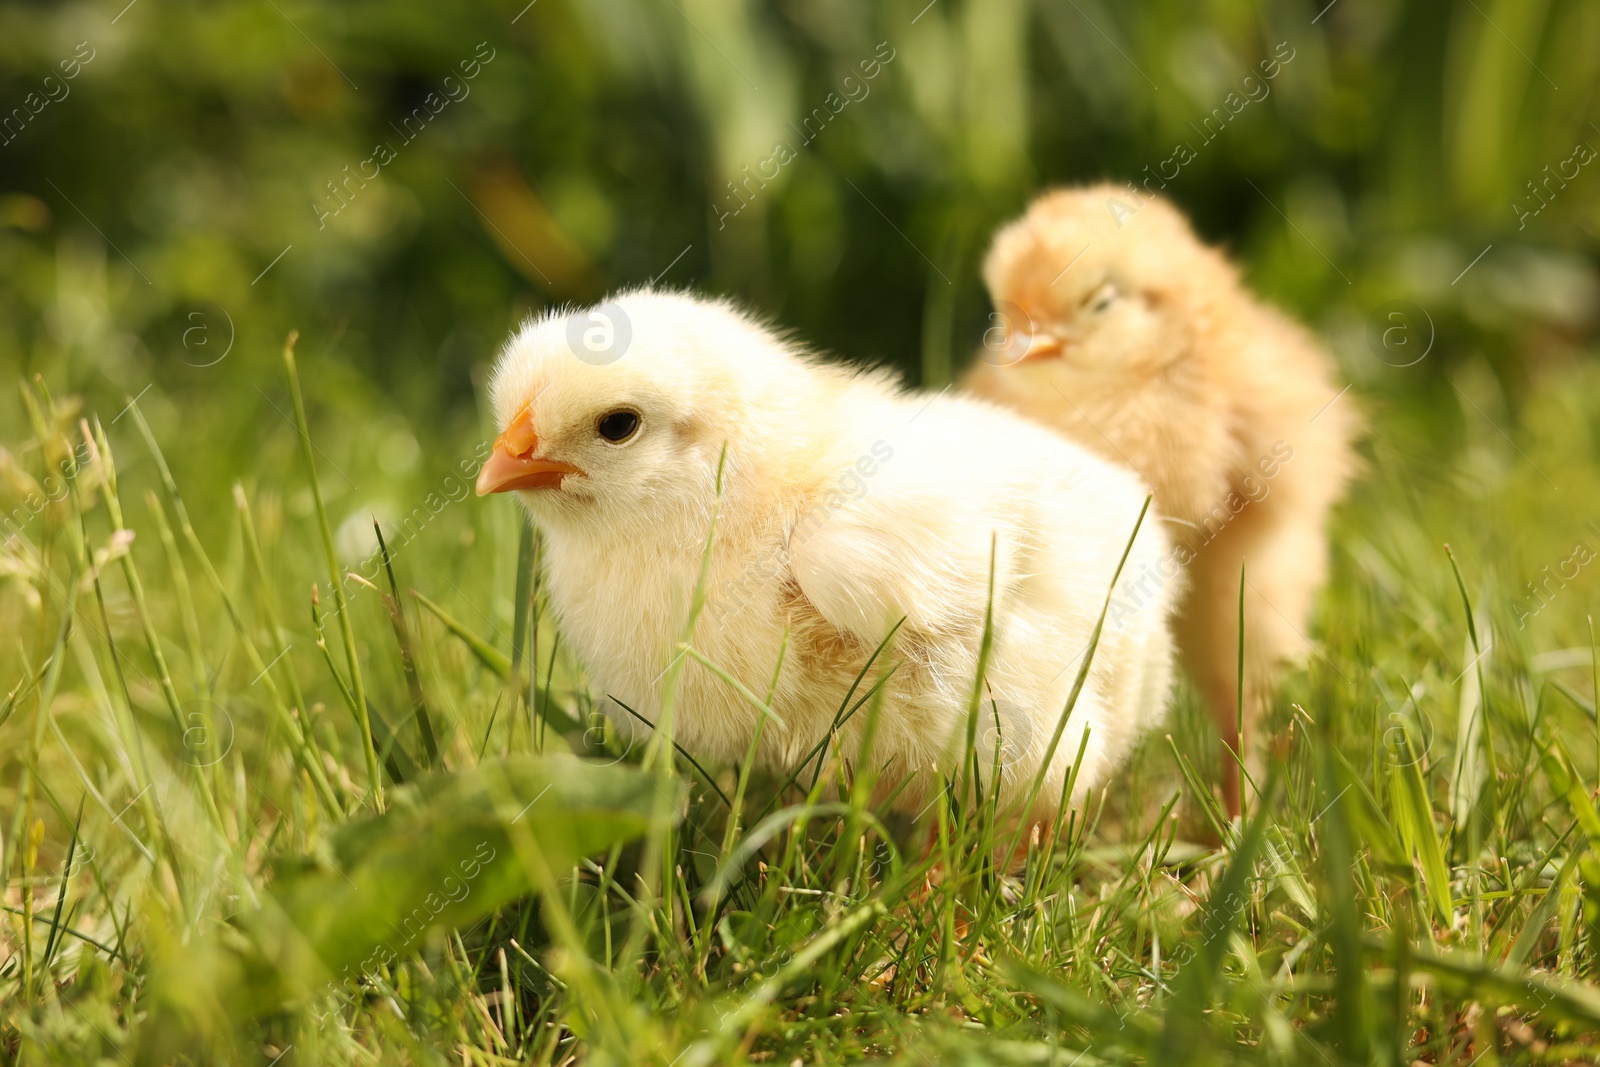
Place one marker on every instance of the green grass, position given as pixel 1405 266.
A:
pixel 194 746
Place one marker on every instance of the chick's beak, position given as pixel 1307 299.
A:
pixel 516 464
pixel 1042 346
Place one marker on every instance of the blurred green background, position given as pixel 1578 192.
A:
pixel 207 181
pixel 184 183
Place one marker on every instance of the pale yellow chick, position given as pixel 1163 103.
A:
pixel 1118 327
pixel 846 505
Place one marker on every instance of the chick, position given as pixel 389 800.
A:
pixel 845 506
pixel 1120 329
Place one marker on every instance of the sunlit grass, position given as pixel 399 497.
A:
pixel 190 739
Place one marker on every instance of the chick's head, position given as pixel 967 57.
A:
pixel 1099 283
pixel 621 408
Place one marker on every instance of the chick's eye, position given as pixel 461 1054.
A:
pixel 1103 297
pixel 618 426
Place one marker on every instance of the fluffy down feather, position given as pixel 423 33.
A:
pixel 847 504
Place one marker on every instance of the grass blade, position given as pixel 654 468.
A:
pixel 358 691
pixel 487 654
pixel 397 618
pixel 1414 818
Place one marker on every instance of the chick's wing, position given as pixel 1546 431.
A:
pixel 916 544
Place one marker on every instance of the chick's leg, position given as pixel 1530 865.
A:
pixel 1203 626
pixel 1283 560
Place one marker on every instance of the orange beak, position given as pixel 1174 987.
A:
pixel 1041 346
pixel 515 463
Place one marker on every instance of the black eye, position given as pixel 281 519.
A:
pixel 618 425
